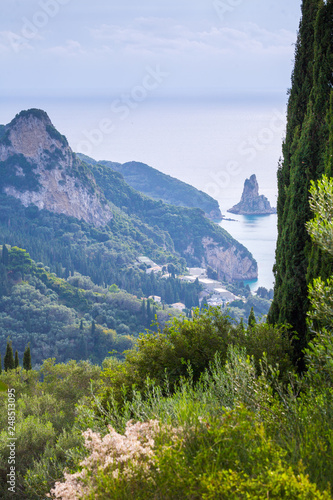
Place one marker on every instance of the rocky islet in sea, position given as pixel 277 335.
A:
pixel 251 202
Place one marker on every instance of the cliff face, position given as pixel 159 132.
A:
pixel 251 202
pixel 38 167
pixel 230 263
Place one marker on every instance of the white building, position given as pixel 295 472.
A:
pixel 198 272
pixel 156 298
pixel 209 284
pixel 178 305
pixel 225 294
pixel 155 269
pixel 146 260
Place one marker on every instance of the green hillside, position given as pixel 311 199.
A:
pixel 184 225
pixel 72 318
pixel 159 186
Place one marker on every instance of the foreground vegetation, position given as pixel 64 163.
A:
pixel 217 420
pixel 202 409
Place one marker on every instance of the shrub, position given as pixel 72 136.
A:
pixel 227 458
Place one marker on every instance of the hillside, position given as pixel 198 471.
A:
pixel 198 240
pixel 69 318
pixel 39 169
pixel 159 186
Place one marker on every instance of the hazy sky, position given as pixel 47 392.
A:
pixel 61 47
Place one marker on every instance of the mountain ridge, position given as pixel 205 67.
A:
pixel 160 186
pixel 39 169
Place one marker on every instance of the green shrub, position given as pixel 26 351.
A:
pixel 229 457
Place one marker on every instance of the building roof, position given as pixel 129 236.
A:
pixel 178 305
pixel 146 260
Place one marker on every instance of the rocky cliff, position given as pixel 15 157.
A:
pixel 230 263
pixel 251 202
pixel 38 167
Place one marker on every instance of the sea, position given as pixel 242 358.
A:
pixel 258 233
pixel 213 142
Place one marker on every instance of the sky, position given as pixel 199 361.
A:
pixel 201 47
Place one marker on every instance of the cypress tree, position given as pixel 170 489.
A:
pixel 93 333
pixel 143 310
pixel 9 362
pixel 3 280
pixel 0 364
pixel 5 255
pixel 149 313
pixel 27 358
pixel 252 319
pixel 16 360
pixel 304 153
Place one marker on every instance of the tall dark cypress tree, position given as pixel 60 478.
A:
pixel 9 362
pixel 27 358
pixel 3 280
pixel 304 153
pixel 16 360
pixel 5 255
pixel 252 319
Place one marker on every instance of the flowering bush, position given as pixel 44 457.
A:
pixel 229 457
pixel 114 454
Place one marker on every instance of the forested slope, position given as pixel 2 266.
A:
pixel 159 186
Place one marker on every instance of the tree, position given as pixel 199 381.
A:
pixel 305 156
pixel 93 328
pixel 149 313
pixel 212 273
pixel 5 257
pixel 320 352
pixel 27 358
pixel 9 362
pixel 20 260
pixel 4 288
pixel 16 360
pixel 252 319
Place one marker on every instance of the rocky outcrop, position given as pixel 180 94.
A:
pixel 40 168
pixel 251 202
pixel 230 263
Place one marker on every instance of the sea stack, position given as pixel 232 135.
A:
pixel 251 202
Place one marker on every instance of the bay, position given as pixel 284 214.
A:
pixel 258 233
